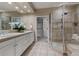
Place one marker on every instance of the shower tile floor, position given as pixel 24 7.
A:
pixel 74 49
pixel 43 48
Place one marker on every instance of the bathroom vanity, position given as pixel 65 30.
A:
pixel 14 44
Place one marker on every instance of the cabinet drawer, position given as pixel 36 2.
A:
pixel 6 43
pixel 20 48
pixel 7 48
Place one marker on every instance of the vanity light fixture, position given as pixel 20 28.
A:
pixel 9 2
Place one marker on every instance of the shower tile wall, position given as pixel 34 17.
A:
pixel 56 24
pixel 69 19
pixel 56 30
pixel 39 27
pixel 69 28
pixel 77 17
pixel 68 23
pixel 0 24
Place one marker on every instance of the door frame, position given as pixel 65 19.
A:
pixel 36 26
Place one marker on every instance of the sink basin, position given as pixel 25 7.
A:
pixel 2 33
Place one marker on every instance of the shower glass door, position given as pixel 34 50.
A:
pixel 57 29
pixel 65 30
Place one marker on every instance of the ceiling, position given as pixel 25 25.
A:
pixel 42 5
pixel 15 6
pixel 31 6
pixel 4 6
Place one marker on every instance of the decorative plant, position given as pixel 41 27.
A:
pixel 19 27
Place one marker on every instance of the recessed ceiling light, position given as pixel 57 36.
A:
pixel 25 6
pixel 17 7
pixel 9 2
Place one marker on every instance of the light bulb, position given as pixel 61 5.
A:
pixel 25 6
pixel 9 2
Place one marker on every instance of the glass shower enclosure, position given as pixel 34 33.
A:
pixel 65 25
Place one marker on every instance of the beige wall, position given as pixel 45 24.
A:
pixel 10 14
pixel 42 12
pixel 29 20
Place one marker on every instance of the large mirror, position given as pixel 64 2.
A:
pixel 4 22
pixel 7 22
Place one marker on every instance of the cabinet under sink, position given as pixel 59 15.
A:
pixel 17 45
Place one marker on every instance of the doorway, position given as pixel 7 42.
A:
pixel 42 28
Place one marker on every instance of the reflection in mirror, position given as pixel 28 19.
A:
pixel 15 23
pixel 8 23
pixel 4 22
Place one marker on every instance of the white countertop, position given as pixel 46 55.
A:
pixel 12 35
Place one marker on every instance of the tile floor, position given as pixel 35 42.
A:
pixel 74 49
pixel 43 48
